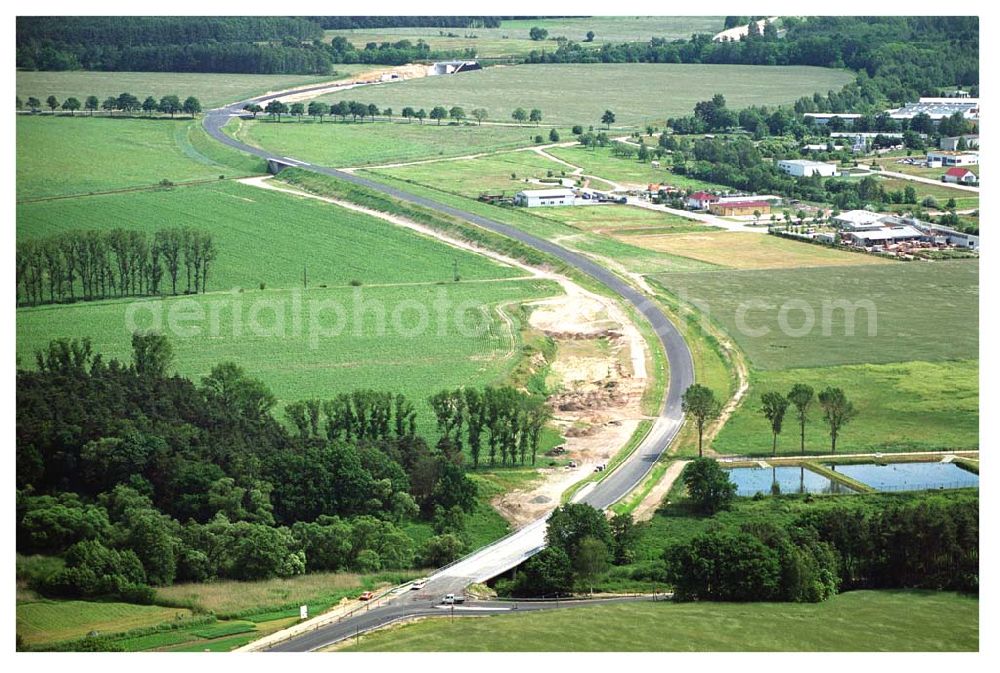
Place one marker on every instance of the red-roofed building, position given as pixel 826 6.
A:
pixel 740 208
pixel 960 175
pixel 701 200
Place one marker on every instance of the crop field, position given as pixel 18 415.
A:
pixel 53 621
pixel 917 311
pixel 65 156
pixel 335 245
pixel 751 250
pixel 212 89
pixel 579 93
pixel 906 406
pixel 855 621
pixel 342 144
pixel 511 38
pixel 432 336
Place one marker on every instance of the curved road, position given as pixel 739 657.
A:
pixel 509 551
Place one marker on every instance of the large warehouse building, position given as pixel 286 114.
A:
pixel 804 168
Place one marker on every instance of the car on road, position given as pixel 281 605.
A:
pixel 418 585
pixel 366 596
pixel 452 599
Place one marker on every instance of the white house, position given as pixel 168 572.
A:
pixel 803 168
pixel 962 176
pixel 534 198
pixel 858 220
pixel 949 158
pixel 700 200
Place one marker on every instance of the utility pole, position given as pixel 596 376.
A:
pixel 305 280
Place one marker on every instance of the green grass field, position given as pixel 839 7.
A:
pixel 212 89
pixel 579 93
pixel 276 598
pixel 360 144
pixel 53 621
pixel 921 311
pixel 907 406
pixel 435 336
pixel 500 173
pixel 856 621
pixel 511 38
pixel 602 163
pixel 623 221
pixel 456 183
pixel 66 156
pixel 963 199
pixel 335 245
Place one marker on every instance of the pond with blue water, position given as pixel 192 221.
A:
pixel 752 480
pixel 910 476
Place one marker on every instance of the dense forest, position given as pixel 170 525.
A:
pixel 138 477
pixel 263 45
pixel 905 57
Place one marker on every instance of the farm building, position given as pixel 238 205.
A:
pixel 803 168
pixel 882 237
pixel 534 198
pixel 962 176
pixel 824 118
pixel 700 200
pixel 731 208
pixel 971 142
pixel 959 239
pixel 858 220
pixel 938 108
pixel 949 158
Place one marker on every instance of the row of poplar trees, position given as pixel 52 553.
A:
pixel 509 420
pixel 93 264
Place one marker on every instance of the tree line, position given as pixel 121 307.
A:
pixel 129 104
pixel 892 543
pixel 701 406
pixel 357 110
pixel 138 477
pixel 507 420
pixel 98 264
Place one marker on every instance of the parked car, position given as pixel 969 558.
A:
pixel 366 596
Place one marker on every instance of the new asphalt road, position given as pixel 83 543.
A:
pixel 520 545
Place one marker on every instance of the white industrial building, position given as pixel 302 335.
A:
pixel 948 158
pixel 803 168
pixel 534 198
pixel 824 118
pixel 938 108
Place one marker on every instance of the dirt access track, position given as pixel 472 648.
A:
pixel 373 76
pixel 600 369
